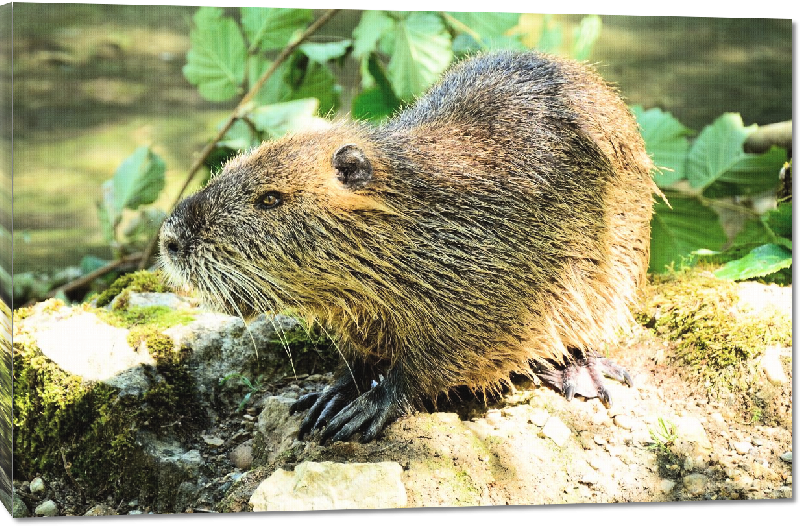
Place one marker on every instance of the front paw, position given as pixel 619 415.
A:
pixel 369 413
pixel 322 406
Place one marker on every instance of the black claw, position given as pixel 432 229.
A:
pixel 627 378
pixel 569 391
pixel 303 403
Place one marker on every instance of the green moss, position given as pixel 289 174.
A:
pixel 141 281
pixel 63 423
pixel 712 337
pixel 157 316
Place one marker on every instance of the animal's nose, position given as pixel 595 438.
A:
pixel 171 244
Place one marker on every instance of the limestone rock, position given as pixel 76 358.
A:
pixel 47 508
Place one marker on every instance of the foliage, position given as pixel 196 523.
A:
pixel 252 387
pixel 700 178
pixel 663 437
pixel 138 181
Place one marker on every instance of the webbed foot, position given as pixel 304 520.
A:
pixel 584 377
pixel 323 405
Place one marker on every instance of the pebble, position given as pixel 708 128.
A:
pixel 538 417
pixel 624 421
pixel 98 510
pixel 47 508
pixel 242 456
pixel 742 447
pixel 771 364
pixel 667 485
pixel 718 419
pixel 787 457
pixel 556 431
pixel 695 483
pixel 213 441
pixel 493 417
pixel 37 485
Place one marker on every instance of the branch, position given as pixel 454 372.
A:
pixel 237 113
pixel 84 281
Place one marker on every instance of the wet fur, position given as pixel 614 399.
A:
pixel 506 223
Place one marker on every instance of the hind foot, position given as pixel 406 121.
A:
pixel 584 377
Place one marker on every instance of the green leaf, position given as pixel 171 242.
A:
pixel 779 220
pixel 486 24
pixel 464 43
pixel 665 138
pixel 279 119
pixel 585 36
pixel 216 61
pixel 761 261
pixel 269 28
pixel 378 102
pixel 144 226
pixel 138 180
pixel 750 175
pixel 312 79
pixel 422 52
pixel 322 53
pixel 239 137
pixel 754 232
pixel 107 224
pixel 275 89
pixel 676 233
pixel 370 29
pixel 717 162
pixel 91 263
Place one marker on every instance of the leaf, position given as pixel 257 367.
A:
pixel 422 52
pixel 752 174
pixel 137 181
pixel 107 224
pixel 269 28
pixel 665 138
pixel 378 102
pixel 322 53
pixel 464 44
pixel 239 137
pixel 312 79
pixel 779 220
pixel 91 263
pixel 279 119
pixel 717 158
pixel 685 228
pixel 144 226
pixel 216 61
pixel 586 34
pixel 372 26
pixel 275 89
pixel 761 261
pixel 486 24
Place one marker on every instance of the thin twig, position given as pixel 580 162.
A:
pixel 198 163
pixel 91 276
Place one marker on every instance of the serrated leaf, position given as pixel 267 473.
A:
pixel 370 29
pixel 666 142
pixel 486 24
pixel 279 119
pixel 717 148
pixel 751 174
pixel 216 61
pixel 422 52
pixel 717 162
pixel 323 52
pixel 676 232
pixel 138 180
pixel 761 261
pixel 269 28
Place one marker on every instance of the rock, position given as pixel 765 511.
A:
pixel 666 485
pixel 332 486
pixel 718 419
pixel 493 417
pixel 599 440
pixel 275 429
pixel 695 483
pixel 742 447
pixel 37 485
pixel 213 441
pixel 539 416
pixel 99 510
pixel 772 366
pixel 154 299
pixel 47 508
pixel 242 456
pixel 173 465
pixel 556 431
pixel 787 457
pixel 624 421
pixel 18 508
pixel 590 477
pixel 690 429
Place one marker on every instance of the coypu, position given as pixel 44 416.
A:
pixel 498 225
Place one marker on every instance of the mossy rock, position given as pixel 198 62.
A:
pixel 141 281
pixel 90 429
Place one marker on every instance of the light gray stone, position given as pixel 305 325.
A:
pixel 100 510
pixel 787 457
pixel 742 447
pixel 242 456
pixel 690 429
pixel 772 366
pixel 556 431
pixel 37 485
pixel 539 417
pixel 666 485
pixel 18 508
pixel 47 508
pixel 624 421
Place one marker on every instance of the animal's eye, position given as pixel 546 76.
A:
pixel 269 200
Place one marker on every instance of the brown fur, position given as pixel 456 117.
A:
pixel 505 222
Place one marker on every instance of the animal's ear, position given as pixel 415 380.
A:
pixel 353 169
